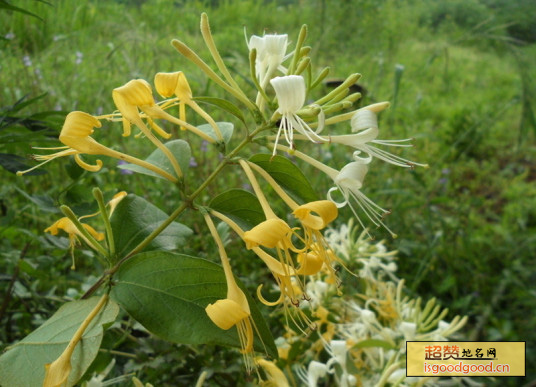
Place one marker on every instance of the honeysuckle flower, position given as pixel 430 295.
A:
pixel 57 372
pixel 348 182
pixel 137 95
pixel 275 376
pixel 338 350
pixel 290 92
pixel 116 199
pixel 314 216
pixel 365 126
pixel 271 51
pixel 233 310
pixel 68 226
pixel 282 273
pixel 76 135
pixel 315 371
pixel 176 83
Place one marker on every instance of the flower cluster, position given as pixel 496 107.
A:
pixel 361 339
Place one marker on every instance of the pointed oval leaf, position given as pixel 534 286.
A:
pixel 179 148
pixel 23 364
pixel 14 163
pixel 226 129
pixel 223 104
pixel 241 206
pixel 168 292
pixel 288 175
pixel 135 218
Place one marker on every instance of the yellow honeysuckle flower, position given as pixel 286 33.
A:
pixel 116 199
pixel 276 377
pixel 176 83
pixel 326 210
pixel 76 135
pixel 233 310
pixel 74 233
pixel 310 263
pixel 68 226
pixel 314 216
pixel 271 233
pixel 57 372
pixel 137 94
pixel 282 273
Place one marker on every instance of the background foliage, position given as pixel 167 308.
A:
pixel 461 79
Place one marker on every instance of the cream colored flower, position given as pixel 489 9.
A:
pixel 290 92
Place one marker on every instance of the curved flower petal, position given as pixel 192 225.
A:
pixel 268 233
pixel 310 263
pixel 290 93
pixel 226 313
pixel 167 84
pixel 76 132
pixel 326 210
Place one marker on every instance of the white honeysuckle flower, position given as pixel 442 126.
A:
pixel 349 182
pixel 408 329
pixel 290 92
pixel 271 51
pixel 316 291
pixel 373 265
pixel 338 350
pixel 365 126
pixel 315 371
pixel 397 376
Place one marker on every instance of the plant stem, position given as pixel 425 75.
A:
pixel 185 204
pixel 97 193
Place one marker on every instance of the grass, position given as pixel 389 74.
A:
pixel 466 226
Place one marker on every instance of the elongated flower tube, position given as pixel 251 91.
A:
pixel 57 372
pixel 290 93
pixel 233 310
pixel 176 83
pixel 76 135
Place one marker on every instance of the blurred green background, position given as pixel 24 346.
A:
pixel 461 79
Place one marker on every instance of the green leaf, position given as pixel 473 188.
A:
pixel 241 206
pixel 14 163
pixel 5 5
pixel 135 218
pixel 179 148
pixel 168 292
pixel 288 175
pixel 223 104
pixel 23 364
pixel 226 129
pixel 44 202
